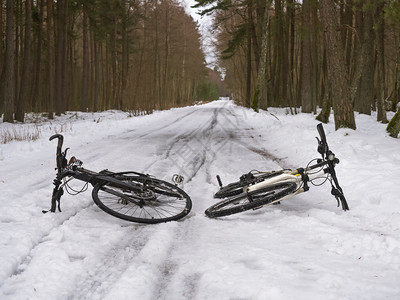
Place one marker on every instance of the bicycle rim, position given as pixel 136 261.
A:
pixel 153 200
pixel 244 201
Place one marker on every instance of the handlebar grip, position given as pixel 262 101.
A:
pixel 55 136
pixel 321 132
pixel 60 142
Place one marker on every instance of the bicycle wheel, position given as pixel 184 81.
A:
pixel 148 200
pixel 236 188
pixel 245 201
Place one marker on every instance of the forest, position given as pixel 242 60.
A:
pixel 313 56
pixel 94 55
pixel 310 54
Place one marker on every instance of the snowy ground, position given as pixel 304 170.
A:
pixel 305 248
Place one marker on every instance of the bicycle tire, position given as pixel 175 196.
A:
pixel 244 201
pixel 161 201
pixel 232 189
pixel 236 188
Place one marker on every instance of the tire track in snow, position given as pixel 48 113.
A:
pixel 100 278
pixel 179 280
pixel 160 268
pixel 176 278
pixel 190 151
pixel 22 262
pixel 146 265
pixel 158 129
pixel 118 250
pixel 147 269
pixel 210 136
pixel 149 275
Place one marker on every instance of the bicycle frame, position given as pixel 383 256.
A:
pixel 290 176
pixel 76 171
pixel 303 176
pixel 128 195
pixel 257 189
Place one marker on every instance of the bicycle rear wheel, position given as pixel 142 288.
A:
pixel 244 201
pixel 147 200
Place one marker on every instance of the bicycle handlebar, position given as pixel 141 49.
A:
pixel 323 148
pixel 60 157
pixel 60 142
pixel 331 160
pixel 321 133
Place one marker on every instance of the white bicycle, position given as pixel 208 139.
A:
pixel 257 189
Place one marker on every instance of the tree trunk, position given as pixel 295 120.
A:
pixel 85 58
pixel 1 45
pixel 365 65
pixel 394 125
pixel 291 72
pixel 125 59
pixel 60 62
pixel 37 103
pixel 346 22
pixel 26 65
pixel 315 81
pixel 380 40
pixel 260 88
pixel 326 100
pixel 281 55
pixel 306 61
pixel 9 75
pixel 96 71
pixel 248 73
pixel 342 102
pixel 50 59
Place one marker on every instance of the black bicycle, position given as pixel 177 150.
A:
pixel 257 189
pixel 130 195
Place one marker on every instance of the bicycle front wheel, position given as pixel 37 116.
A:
pixel 244 201
pixel 143 200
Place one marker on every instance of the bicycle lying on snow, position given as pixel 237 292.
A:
pixel 257 189
pixel 131 196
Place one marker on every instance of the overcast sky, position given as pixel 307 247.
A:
pixel 205 30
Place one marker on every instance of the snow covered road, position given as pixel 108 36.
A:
pixel 305 248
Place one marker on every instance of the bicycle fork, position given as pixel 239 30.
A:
pixel 56 196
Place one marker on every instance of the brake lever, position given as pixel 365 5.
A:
pixel 339 196
pixel 319 147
